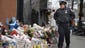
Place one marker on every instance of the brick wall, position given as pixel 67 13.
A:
pixel 7 9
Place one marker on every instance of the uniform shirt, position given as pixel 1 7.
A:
pixel 64 15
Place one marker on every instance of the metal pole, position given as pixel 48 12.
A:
pixel 30 11
pixel 80 13
pixel 39 21
pixel 80 16
pixel 72 4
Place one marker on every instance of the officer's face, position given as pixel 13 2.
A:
pixel 62 6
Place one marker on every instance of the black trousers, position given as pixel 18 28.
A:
pixel 64 32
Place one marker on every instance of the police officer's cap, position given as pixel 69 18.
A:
pixel 63 2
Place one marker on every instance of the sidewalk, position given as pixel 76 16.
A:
pixel 76 42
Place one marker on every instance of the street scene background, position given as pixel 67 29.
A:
pixel 25 24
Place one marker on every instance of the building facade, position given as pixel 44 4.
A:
pixel 8 9
pixel 27 11
pixel 33 11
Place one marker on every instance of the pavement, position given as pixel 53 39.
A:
pixel 76 42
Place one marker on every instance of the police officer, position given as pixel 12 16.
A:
pixel 63 17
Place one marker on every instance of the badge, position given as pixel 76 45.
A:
pixel 66 11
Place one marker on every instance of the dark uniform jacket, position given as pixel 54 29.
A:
pixel 64 15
